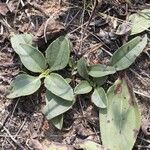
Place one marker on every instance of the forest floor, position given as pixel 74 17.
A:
pixel 22 125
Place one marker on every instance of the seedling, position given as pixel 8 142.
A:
pixel 59 94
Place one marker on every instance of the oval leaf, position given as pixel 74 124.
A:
pixel 100 81
pixel 33 60
pixel 99 97
pixel 127 54
pixel 55 106
pixel 82 88
pixel 16 40
pixel 120 122
pixel 140 21
pixel 82 68
pixel 58 53
pixel 24 85
pixel 58 122
pixel 100 70
pixel 59 86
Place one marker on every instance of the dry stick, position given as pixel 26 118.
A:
pixel 12 138
pixel 16 11
pixel 145 140
pixel 139 93
pixel 6 24
pixel 14 108
pixel 93 49
pixel 82 29
pixel 5 136
pixel 78 27
pixel 92 14
pixel 67 25
pixel 96 133
pixel 11 143
pixel 46 24
pixel 138 75
pixel 144 147
pixel 20 127
pixel 5 120
pixel 45 27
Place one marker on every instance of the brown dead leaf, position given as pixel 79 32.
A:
pixel 3 9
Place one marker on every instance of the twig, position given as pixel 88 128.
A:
pixel 139 93
pixel 78 27
pixel 66 26
pixel 12 138
pixel 10 142
pixel 45 27
pixel 5 120
pixel 92 13
pixel 14 108
pixel 20 127
pixel 82 29
pixel 7 65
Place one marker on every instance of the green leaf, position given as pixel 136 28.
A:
pixel 82 68
pixel 82 88
pixel 140 21
pixel 58 122
pixel 55 106
pixel 99 97
pixel 120 122
pixel 89 145
pixel 33 60
pixel 58 53
pixel 59 86
pixel 100 70
pixel 127 54
pixel 68 80
pixel 16 40
pixel 24 85
pixel 100 81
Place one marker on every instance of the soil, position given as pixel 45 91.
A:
pixel 22 125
